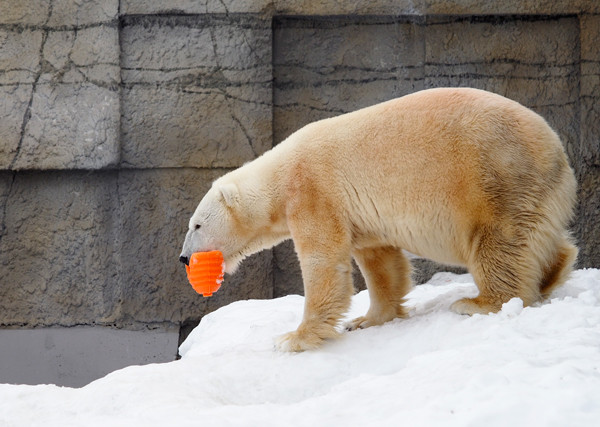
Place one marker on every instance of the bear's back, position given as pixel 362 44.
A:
pixel 439 156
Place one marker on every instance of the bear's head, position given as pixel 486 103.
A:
pixel 233 218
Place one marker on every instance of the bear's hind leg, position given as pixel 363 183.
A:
pixel 559 267
pixel 503 268
pixel 387 273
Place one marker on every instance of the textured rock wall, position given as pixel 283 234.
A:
pixel 116 117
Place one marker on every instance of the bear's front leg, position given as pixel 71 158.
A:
pixel 328 290
pixel 323 249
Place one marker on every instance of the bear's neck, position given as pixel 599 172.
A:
pixel 263 181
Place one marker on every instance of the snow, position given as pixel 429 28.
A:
pixel 527 366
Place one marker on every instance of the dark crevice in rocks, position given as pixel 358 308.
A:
pixel 309 107
pixel 27 114
pixel 219 85
pixel 495 19
pixel 199 20
pixel 19 28
pixel 324 22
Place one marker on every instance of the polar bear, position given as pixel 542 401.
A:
pixel 457 175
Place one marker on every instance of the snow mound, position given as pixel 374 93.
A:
pixel 536 365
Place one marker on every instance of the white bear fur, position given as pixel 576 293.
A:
pixel 460 176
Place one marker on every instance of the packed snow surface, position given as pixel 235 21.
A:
pixel 533 366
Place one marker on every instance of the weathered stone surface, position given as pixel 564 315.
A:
pixel 587 163
pixel 139 7
pixel 359 7
pixel 590 90
pixel 88 55
pixel 325 67
pixel 19 55
pixel 56 250
pixel 15 100
pixel 33 12
pixel 62 100
pixel 504 7
pixel 155 210
pixel 76 13
pixel 197 91
pixel 69 126
pixel 57 13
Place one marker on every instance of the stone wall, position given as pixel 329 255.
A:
pixel 116 117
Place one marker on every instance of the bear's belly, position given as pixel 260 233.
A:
pixel 442 244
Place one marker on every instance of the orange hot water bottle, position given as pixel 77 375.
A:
pixel 205 272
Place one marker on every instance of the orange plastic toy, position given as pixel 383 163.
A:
pixel 205 272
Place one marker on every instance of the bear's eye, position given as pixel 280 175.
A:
pixel 197 227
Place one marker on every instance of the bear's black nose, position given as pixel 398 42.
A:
pixel 184 260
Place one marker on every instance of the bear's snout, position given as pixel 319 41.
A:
pixel 184 260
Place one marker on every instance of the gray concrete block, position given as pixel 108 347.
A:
pixel 87 55
pixel 590 90
pixel 155 209
pixel 197 91
pixel 57 252
pixel 378 7
pixel 24 13
pixel 509 7
pixel 138 7
pixel 15 101
pixel 587 163
pixel 74 13
pixel 57 13
pixel 69 126
pixel 325 67
pixel 20 55
pixel 61 98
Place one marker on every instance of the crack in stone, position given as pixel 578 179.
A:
pixel 227 100
pixel 194 68
pixel 224 6
pixel 219 85
pixel 202 91
pixel 310 107
pixel 27 114
pixel 303 85
pixel 113 23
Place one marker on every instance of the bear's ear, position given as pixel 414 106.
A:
pixel 229 194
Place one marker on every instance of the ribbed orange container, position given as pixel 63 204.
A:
pixel 205 272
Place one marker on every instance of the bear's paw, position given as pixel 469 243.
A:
pixel 305 339
pixel 472 306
